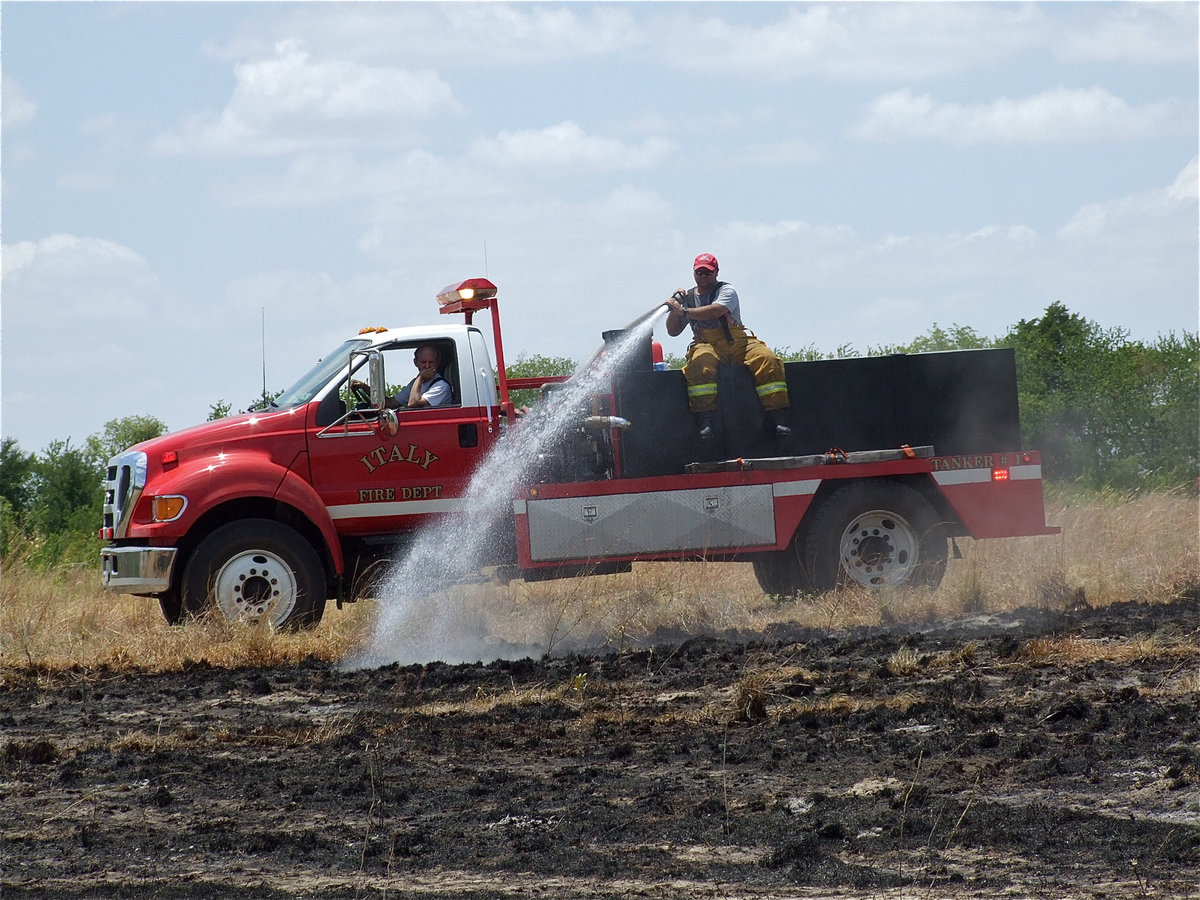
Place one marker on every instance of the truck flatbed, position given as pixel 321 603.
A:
pixel 833 456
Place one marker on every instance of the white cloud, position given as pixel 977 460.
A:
pixel 299 293
pixel 450 35
pixel 907 41
pixel 65 278
pixel 1059 115
pixel 88 182
pixel 566 146
pixel 782 153
pixel 1148 33
pixel 1131 262
pixel 1185 186
pixel 71 305
pixel 490 33
pixel 1124 219
pixel 311 179
pixel 844 41
pixel 291 102
pixel 855 41
pixel 15 108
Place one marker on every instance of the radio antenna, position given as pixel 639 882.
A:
pixel 263 310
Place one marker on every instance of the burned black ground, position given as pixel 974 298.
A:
pixel 999 755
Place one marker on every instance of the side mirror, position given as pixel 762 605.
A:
pixel 377 381
pixel 388 423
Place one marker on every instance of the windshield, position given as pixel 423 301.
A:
pixel 318 376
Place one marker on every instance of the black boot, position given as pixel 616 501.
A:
pixel 705 424
pixel 773 424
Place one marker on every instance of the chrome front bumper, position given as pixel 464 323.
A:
pixel 138 570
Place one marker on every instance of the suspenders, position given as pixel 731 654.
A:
pixel 716 288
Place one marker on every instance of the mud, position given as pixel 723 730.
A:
pixel 1011 755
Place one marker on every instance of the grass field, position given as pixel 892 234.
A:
pixel 1113 548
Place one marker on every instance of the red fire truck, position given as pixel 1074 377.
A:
pixel 275 511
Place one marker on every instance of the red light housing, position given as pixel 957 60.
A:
pixel 1000 473
pixel 169 457
pixel 466 291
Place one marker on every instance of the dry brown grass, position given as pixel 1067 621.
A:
pixel 1112 549
pixel 51 623
pixel 1073 650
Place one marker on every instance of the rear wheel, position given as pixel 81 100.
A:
pixel 875 534
pixel 253 570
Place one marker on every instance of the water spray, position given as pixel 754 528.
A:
pixel 422 617
pixel 660 309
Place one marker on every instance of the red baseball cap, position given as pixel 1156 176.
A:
pixel 705 261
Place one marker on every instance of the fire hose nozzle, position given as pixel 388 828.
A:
pixel 606 422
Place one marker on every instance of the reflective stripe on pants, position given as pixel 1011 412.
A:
pixel 703 357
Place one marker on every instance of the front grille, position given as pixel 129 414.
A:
pixel 123 484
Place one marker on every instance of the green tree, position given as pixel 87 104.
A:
pixel 1063 369
pixel 67 482
pixel 959 337
pixel 1104 410
pixel 1165 426
pixel 17 484
pixel 121 434
pixel 807 354
pixel 263 401
pixel 219 410
pixel 534 366
pixel 18 488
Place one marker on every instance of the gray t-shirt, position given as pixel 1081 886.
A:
pixel 721 294
pixel 436 392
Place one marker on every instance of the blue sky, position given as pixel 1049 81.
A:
pixel 175 173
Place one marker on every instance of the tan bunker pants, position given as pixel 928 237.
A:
pixel 703 357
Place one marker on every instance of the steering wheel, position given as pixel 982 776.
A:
pixel 361 392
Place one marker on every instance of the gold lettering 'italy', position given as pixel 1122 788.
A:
pixel 381 456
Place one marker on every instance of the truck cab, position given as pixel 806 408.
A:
pixel 273 511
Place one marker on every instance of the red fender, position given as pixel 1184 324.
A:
pixel 296 492
pixel 212 481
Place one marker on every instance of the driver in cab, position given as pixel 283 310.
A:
pixel 429 388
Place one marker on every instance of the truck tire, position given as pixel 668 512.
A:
pixel 875 534
pixel 171 604
pixel 782 573
pixel 256 568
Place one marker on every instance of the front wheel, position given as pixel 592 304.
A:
pixel 781 573
pixel 253 570
pixel 875 534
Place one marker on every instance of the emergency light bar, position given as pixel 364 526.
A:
pixel 469 297
pixel 471 289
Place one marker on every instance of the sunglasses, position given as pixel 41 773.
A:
pixel 700 272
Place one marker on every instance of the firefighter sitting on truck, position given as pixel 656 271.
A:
pixel 718 336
